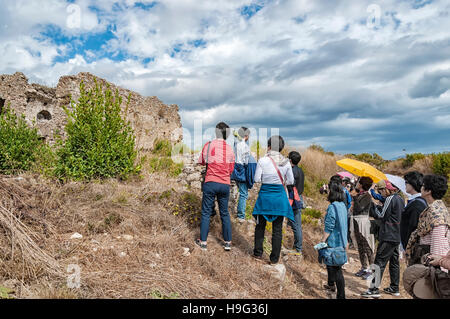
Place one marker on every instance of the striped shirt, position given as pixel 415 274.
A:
pixel 438 239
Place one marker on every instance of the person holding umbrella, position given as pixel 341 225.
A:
pixel 360 226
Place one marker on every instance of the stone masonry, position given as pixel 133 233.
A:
pixel 150 118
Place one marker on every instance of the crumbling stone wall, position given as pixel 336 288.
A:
pixel 150 118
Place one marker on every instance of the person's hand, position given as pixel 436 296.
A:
pixel 434 260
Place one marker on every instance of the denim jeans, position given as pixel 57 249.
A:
pixel 297 229
pixel 211 190
pixel 243 195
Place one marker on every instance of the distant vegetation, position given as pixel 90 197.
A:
pixel 19 143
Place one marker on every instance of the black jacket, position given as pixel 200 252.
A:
pixel 299 178
pixel 390 216
pixel 410 218
pixel 362 204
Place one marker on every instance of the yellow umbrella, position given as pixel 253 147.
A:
pixel 361 169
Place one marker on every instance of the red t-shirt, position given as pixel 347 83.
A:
pixel 220 161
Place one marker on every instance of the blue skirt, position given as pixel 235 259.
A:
pixel 272 202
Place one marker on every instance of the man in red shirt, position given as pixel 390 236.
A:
pixel 220 159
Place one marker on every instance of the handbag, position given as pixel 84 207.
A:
pixel 336 256
pixel 440 281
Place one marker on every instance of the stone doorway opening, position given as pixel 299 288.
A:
pixel 44 115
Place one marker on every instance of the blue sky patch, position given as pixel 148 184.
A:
pixel 250 10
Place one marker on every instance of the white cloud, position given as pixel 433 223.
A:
pixel 299 64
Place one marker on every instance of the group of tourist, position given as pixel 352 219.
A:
pixel 280 195
pixel 413 226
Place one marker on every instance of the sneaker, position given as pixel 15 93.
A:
pixel 360 273
pixel 391 291
pixel 366 275
pixel 330 288
pixel 241 220
pixel 371 293
pixel 199 243
pixel 226 246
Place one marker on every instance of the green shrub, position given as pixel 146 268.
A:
pixel 441 164
pixel 18 143
pixel 411 158
pixel 165 164
pixel 162 148
pixel 306 219
pixel 5 293
pixel 372 159
pixel 314 213
pixel 100 143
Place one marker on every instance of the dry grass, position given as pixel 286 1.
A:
pixel 319 164
pixel 134 236
pixel 425 166
pixel 150 264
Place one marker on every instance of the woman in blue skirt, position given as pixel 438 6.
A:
pixel 274 171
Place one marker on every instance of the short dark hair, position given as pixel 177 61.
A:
pixel 295 157
pixel 222 130
pixel 336 179
pixel 366 182
pixel 436 184
pixel 415 179
pixel 336 193
pixel 276 143
pixel 243 132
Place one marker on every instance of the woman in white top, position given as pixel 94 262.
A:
pixel 274 171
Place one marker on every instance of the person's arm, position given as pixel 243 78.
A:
pixel 439 261
pixel 330 223
pixel 289 175
pixel 301 181
pixel 201 159
pixel 379 213
pixel 231 161
pixel 439 242
pixel 258 172
pixel 376 196
pixel 444 262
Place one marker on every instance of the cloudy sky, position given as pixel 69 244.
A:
pixel 352 76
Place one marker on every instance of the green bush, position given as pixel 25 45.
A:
pixel 162 148
pixel 411 158
pixel 100 143
pixel 441 164
pixel 165 164
pixel 306 219
pixel 314 213
pixel 18 143
pixel 372 159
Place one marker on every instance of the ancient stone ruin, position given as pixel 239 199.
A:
pixel 150 118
